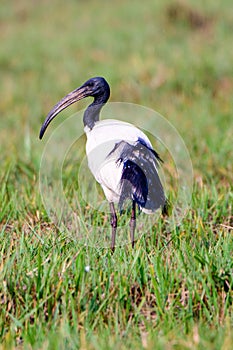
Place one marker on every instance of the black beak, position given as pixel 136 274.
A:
pixel 74 96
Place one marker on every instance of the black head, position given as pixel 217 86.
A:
pixel 95 87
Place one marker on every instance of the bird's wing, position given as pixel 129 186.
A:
pixel 139 179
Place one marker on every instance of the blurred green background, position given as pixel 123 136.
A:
pixel 175 57
pixel 172 56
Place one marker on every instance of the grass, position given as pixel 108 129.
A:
pixel 174 290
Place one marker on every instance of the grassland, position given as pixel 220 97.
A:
pixel 173 291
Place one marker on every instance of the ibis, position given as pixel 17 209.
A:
pixel 125 163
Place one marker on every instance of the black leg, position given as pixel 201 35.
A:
pixel 113 224
pixel 133 223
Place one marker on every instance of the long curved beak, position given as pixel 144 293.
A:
pixel 74 96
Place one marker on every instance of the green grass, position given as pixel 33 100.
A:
pixel 174 290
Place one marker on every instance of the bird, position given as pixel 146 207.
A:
pixel 120 156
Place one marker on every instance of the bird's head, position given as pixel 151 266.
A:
pixel 97 88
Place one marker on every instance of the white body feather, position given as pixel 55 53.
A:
pixel 101 140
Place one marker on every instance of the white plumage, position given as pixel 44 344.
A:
pixel 101 140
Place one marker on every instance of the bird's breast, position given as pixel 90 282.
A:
pixel 106 133
pixel 102 161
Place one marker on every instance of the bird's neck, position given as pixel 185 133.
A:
pixel 92 113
